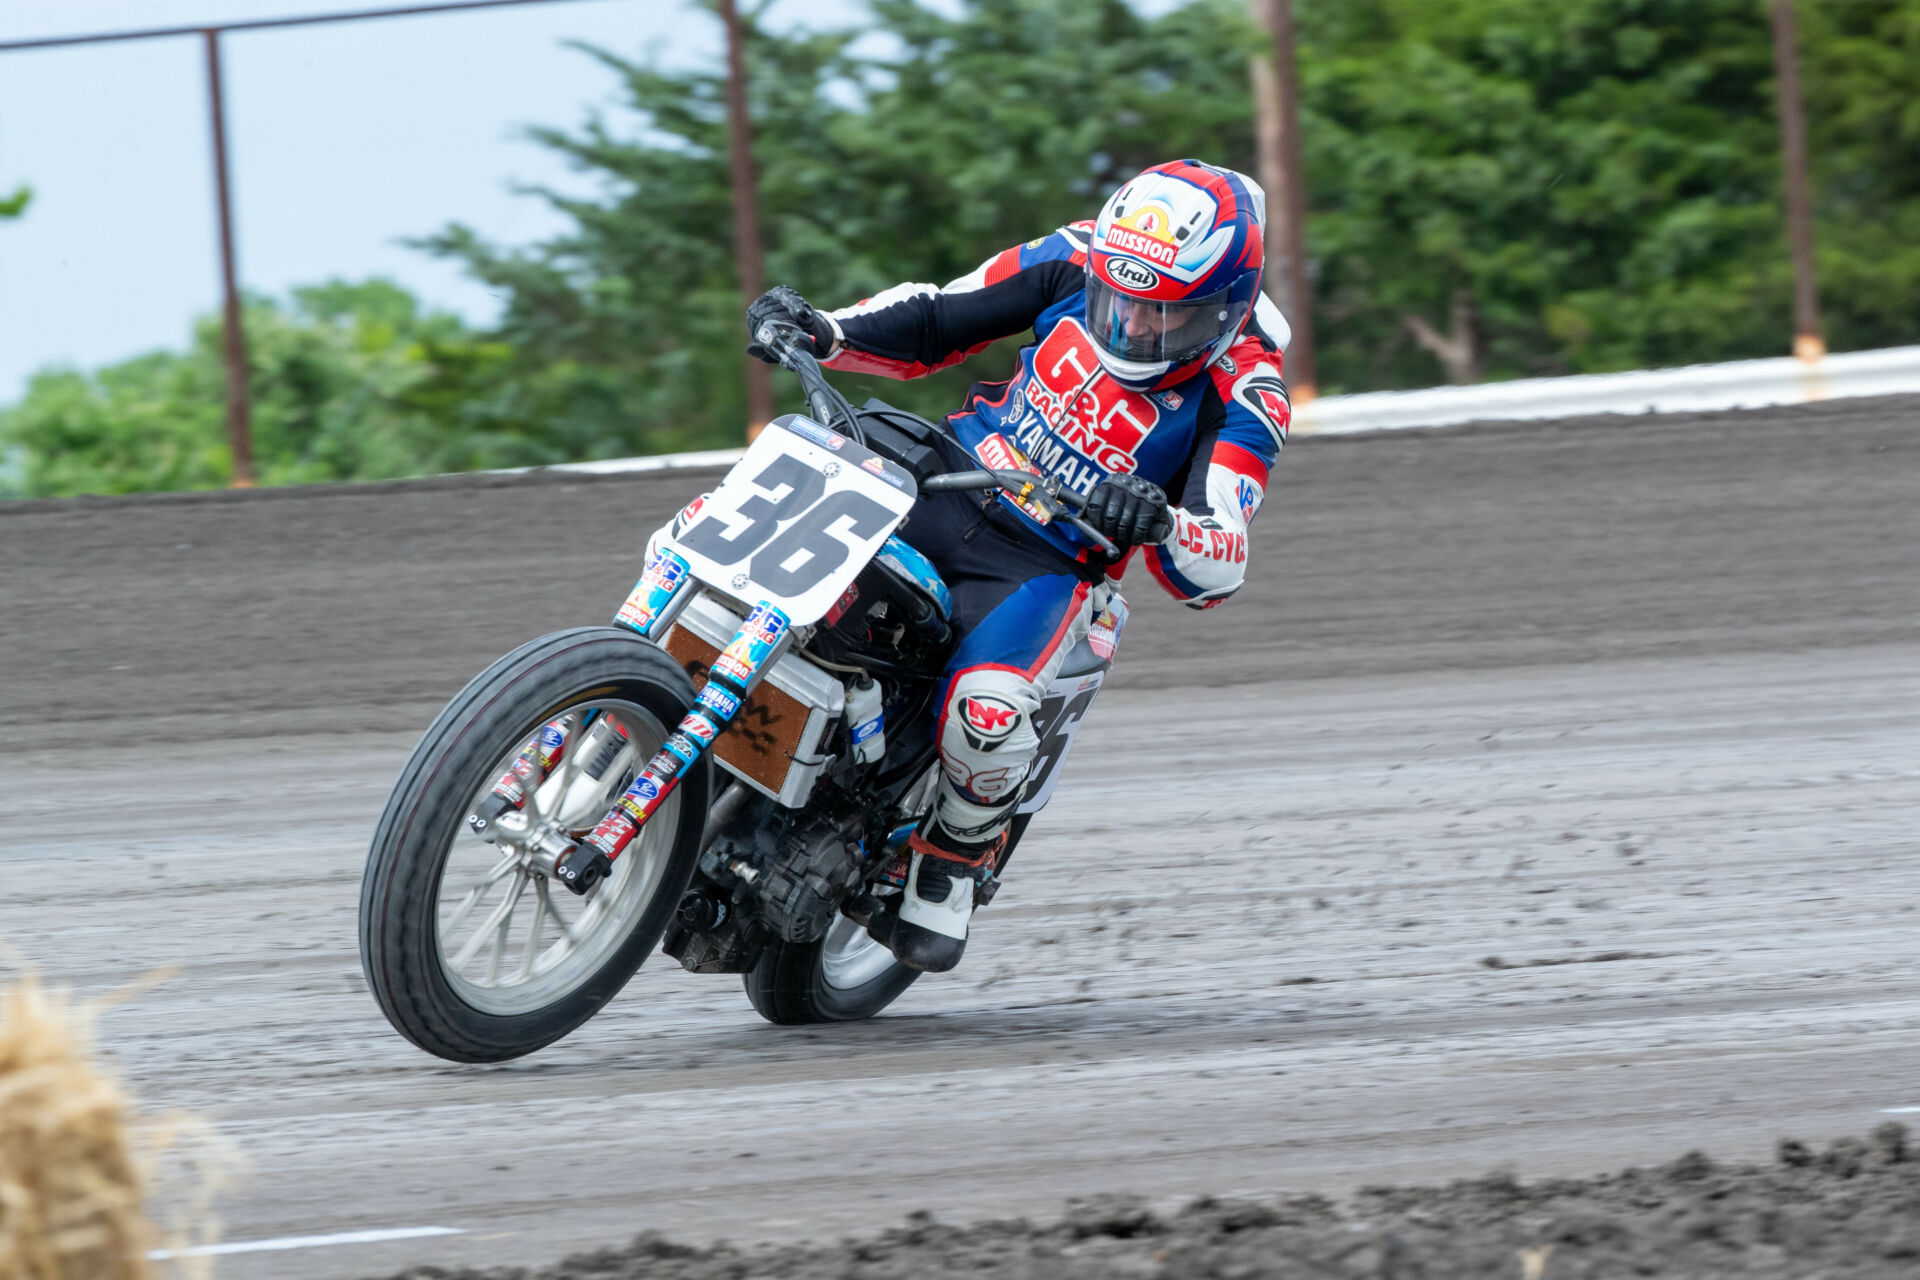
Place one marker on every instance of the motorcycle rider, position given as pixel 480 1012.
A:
pixel 1148 374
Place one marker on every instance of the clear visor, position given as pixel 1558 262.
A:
pixel 1146 332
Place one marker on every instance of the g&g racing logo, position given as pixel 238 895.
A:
pixel 1087 413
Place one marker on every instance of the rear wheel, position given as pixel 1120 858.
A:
pixel 844 977
pixel 472 949
pixel 847 976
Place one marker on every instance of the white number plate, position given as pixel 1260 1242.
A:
pixel 796 519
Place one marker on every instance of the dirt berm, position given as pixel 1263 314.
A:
pixel 1852 1210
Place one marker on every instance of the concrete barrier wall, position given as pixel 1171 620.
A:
pixel 1738 384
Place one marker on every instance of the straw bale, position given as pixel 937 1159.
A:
pixel 70 1183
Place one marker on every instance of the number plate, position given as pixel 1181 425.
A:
pixel 1056 723
pixel 796 519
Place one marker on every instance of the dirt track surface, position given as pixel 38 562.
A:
pixel 1548 801
pixel 1853 1210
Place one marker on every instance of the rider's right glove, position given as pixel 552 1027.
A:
pixel 1129 510
pixel 785 306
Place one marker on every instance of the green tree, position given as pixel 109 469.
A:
pixel 1498 188
pixel 1504 188
pixel 349 382
pixel 1537 189
pixel 1861 75
pixel 984 129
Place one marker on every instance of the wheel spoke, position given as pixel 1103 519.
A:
pixel 541 903
pixel 479 890
pixel 544 888
pixel 503 965
pixel 493 921
pixel 570 762
pixel 500 935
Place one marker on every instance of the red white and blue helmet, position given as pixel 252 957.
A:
pixel 1173 271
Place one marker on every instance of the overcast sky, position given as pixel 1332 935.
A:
pixel 345 139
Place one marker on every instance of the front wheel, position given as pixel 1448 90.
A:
pixel 471 948
pixel 845 977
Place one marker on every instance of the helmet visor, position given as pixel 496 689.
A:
pixel 1143 331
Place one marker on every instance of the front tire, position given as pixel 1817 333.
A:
pixel 461 1010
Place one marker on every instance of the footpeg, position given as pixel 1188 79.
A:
pixel 880 923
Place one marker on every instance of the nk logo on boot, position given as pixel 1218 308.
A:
pixel 987 722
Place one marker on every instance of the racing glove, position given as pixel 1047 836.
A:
pixel 784 305
pixel 1129 510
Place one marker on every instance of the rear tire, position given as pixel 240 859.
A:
pixel 847 976
pixel 400 948
pixel 844 977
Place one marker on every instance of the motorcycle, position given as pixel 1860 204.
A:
pixel 730 771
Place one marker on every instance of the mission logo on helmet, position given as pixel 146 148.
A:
pixel 1147 233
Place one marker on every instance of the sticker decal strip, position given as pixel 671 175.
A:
pixel 662 579
pixel 753 647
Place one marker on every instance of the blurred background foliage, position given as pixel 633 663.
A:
pixel 1498 188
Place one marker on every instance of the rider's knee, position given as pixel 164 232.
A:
pixel 987 739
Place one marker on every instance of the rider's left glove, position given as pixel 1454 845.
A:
pixel 1129 510
pixel 784 305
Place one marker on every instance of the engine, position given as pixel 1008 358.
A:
pixel 768 876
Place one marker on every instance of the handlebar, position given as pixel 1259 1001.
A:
pixel 785 341
pixel 1027 486
pixel 828 405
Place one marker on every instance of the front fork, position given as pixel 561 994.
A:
pixel 657 600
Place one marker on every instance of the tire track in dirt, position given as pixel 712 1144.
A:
pixel 1546 799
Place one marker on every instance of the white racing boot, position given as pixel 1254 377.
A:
pixel 936 905
pixel 987 747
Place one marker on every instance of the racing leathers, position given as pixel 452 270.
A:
pixel 1023 590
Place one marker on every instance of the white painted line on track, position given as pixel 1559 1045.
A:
pixel 1900 1111
pixel 307 1242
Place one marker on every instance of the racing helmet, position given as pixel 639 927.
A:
pixel 1173 271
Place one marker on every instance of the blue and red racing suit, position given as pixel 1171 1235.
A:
pixel 1208 442
pixel 1022 588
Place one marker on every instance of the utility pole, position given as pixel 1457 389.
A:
pixel 234 338
pixel 1276 98
pixel 1809 343
pixel 746 210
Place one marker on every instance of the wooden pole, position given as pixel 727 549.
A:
pixel 1267 153
pixel 1809 342
pixel 239 407
pixel 746 210
pixel 1282 173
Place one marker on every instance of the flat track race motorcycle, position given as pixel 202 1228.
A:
pixel 563 816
